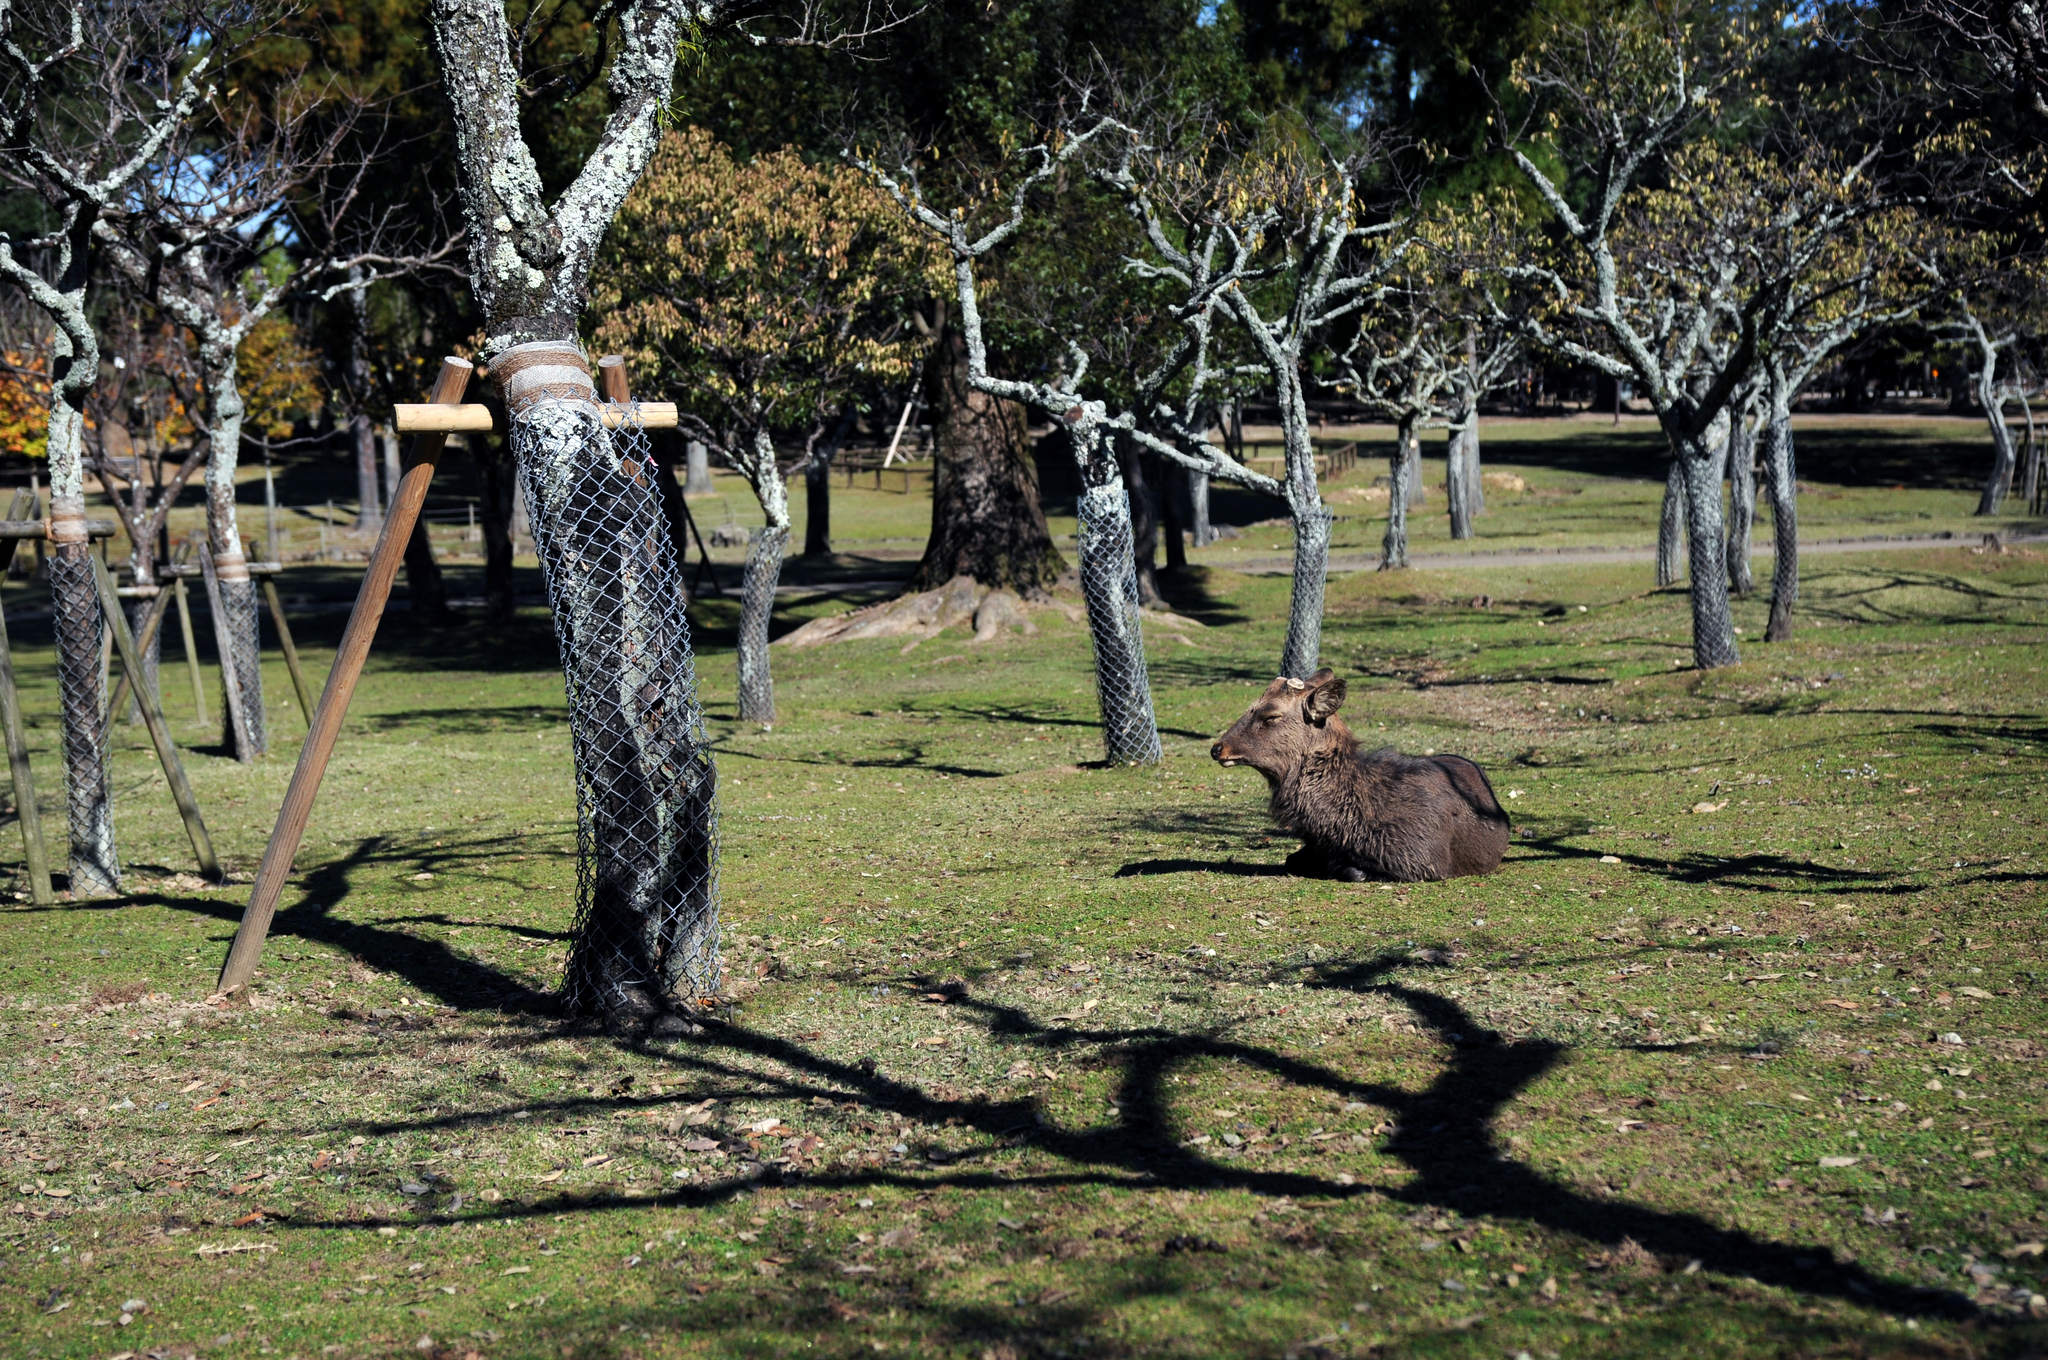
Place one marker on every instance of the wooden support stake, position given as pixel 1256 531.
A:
pixel 477 419
pixel 291 653
pixel 35 855
pixel 341 687
pixel 159 730
pixel 191 649
pixel 611 378
pixel 224 643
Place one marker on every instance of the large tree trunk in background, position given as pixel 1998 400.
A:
pixel 1670 525
pixel 499 473
pixel 1172 496
pixel 1999 481
pixel 676 514
pixel 757 586
pixel 1782 479
pixel 1741 502
pixel 1413 477
pixel 1144 503
pixel 1394 547
pixel 1713 626
pixel 986 519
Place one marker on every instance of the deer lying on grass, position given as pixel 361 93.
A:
pixel 1372 814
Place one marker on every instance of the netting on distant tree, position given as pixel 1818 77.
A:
pixel 647 826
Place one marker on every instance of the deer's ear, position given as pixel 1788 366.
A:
pixel 1325 696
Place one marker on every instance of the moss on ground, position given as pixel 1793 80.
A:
pixel 1764 1079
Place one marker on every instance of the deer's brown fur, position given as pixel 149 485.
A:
pixel 1363 814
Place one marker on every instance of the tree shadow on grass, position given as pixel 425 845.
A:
pixel 1444 1135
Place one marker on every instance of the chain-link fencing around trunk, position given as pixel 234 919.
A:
pixel 646 815
pixel 244 658
pixel 94 865
pixel 1109 588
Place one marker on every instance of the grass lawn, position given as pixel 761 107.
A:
pixel 1764 1079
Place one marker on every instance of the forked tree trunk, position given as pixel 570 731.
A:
pixel 757 587
pixel 1713 626
pixel 647 831
pixel 986 518
pixel 1671 526
pixel 1741 503
pixel 1781 478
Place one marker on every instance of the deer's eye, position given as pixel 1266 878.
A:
pixel 1269 718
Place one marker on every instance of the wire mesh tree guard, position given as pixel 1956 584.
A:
pixel 647 832
pixel 646 814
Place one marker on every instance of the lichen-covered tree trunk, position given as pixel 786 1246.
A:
pixel 1671 525
pixel 239 623
pixel 1302 652
pixel 647 927
pixel 1741 503
pixel 1999 480
pixel 986 518
pixel 757 586
pixel 94 865
pixel 1394 547
pixel 1781 478
pixel 1713 626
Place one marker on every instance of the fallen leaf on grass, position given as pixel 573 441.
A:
pixel 1845 1005
pixel 1976 992
pixel 1839 1161
pixel 246 1219
pixel 190 1088
pixel 231 1248
pixel 856 1270
pixel 517 1270
pixel 323 1161
pixel 546 1176
pixel 1704 808
pixel 215 1100
pixel 597 1159
pixel 1052 1296
pixel 2024 1249
pixel 700 1145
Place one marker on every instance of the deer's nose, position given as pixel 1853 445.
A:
pixel 1216 751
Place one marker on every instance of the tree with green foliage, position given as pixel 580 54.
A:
pixel 766 296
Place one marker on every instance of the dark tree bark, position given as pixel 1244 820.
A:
pixel 986 518
pixel 1199 527
pixel 818 489
pixel 1713 628
pixel 1144 519
pixel 363 436
pixel 424 584
pixel 499 472
pixel 1173 492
